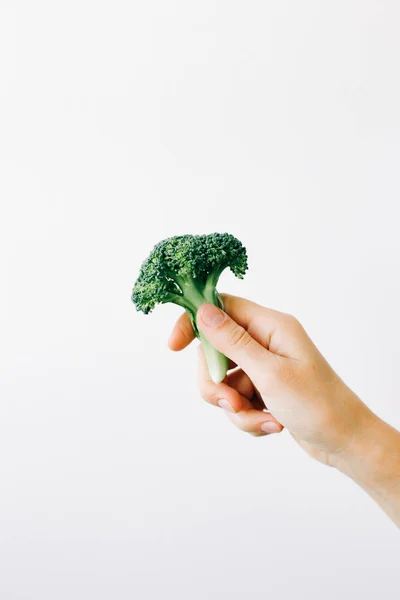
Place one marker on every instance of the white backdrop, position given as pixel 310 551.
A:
pixel 125 122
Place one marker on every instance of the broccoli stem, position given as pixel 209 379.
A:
pixel 192 298
pixel 217 363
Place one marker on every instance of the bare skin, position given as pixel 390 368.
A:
pixel 279 379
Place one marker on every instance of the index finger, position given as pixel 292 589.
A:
pixel 182 334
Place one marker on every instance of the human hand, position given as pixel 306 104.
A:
pixel 276 367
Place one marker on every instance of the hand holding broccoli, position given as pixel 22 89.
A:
pixel 279 364
pixel 279 367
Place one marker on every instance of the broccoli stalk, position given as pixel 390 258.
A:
pixel 185 270
pixel 191 300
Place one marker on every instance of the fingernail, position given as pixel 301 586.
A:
pixel 270 427
pixel 211 315
pixel 225 405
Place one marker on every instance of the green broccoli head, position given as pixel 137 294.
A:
pixel 186 260
pixel 185 270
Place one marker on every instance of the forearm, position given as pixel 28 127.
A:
pixel 372 460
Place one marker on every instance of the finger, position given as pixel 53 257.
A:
pixel 182 334
pixel 233 340
pixel 255 422
pixel 240 309
pixel 259 321
pixel 258 401
pixel 221 394
pixel 277 331
pixel 241 382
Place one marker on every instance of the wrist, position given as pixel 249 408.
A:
pixel 372 460
pixel 372 455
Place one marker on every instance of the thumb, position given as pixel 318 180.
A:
pixel 231 339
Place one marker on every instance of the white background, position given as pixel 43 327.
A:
pixel 125 122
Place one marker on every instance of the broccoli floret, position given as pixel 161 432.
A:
pixel 185 270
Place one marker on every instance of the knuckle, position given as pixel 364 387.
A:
pixel 238 337
pixel 291 321
pixel 241 427
pixel 243 424
pixel 250 429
